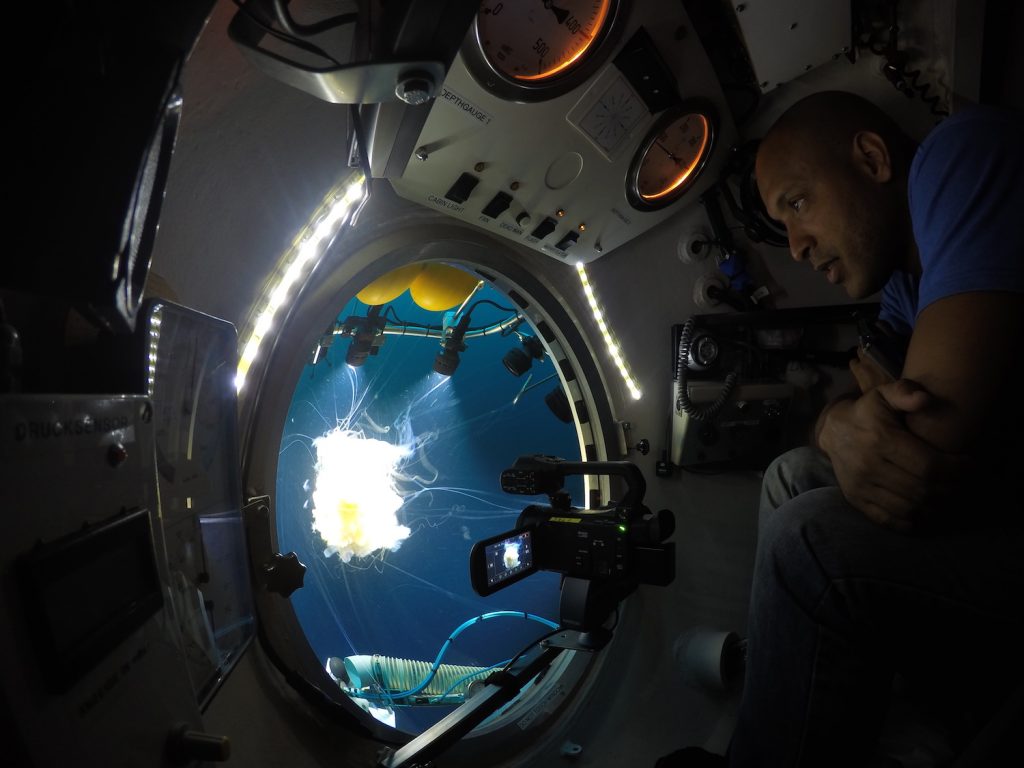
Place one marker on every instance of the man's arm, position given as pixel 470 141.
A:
pixel 819 423
pixel 883 469
pixel 868 375
pixel 898 449
pixel 966 194
pixel 967 352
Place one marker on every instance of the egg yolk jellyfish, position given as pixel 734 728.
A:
pixel 389 472
pixel 355 501
pixel 511 556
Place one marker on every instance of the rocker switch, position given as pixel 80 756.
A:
pixel 462 188
pixel 545 228
pixel 498 205
pixel 570 239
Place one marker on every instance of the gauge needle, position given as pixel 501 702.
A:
pixel 560 13
pixel 675 159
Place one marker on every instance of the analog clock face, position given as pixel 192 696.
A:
pixel 671 157
pixel 613 116
pixel 533 42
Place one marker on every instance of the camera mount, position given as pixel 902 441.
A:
pixel 603 554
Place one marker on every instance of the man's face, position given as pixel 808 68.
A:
pixel 835 215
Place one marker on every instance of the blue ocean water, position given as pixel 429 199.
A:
pixel 462 432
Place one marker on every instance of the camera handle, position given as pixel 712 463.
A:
pixel 537 474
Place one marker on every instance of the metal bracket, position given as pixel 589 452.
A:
pixel 359 83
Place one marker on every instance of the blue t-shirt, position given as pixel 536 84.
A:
pixel 966 194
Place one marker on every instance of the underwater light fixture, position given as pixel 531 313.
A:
pixel 558 404
pixel 447 360
pixel 613 347
pixel 367 336
pixel 308 246
pixel 519 360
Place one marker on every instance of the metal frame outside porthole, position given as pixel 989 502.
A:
pixel 390 233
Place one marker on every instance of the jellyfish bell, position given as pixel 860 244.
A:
pixel 373 483
pixel 355 498
pixel 511 556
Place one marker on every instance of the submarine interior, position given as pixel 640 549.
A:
pixel 333 325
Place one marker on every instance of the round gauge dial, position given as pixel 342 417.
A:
pixel 532 42
pixel 672 156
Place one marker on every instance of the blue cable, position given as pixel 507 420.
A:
pixel 390 697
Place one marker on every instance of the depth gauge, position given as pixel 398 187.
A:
pixel 672 156
pixel 537 49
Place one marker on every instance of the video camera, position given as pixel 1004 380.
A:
pixel 603 554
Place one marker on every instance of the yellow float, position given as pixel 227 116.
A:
pixel 433 286
pixel 390 286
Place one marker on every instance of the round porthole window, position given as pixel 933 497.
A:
pixel 425 386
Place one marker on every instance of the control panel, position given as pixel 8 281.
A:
pixel 560 174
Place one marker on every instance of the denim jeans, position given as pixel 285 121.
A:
pixel 839 604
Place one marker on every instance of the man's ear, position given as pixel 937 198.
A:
pixel 871 156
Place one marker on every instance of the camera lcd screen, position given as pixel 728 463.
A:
pixel 508 557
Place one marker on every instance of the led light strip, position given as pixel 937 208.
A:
pixel 154 345
pixel 308 246
pixel 613 347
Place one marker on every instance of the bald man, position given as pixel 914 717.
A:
pixel 896 544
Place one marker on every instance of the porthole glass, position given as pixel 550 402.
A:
pixel 389 472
